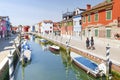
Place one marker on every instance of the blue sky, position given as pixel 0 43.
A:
pixel 30 12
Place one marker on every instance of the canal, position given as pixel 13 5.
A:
pixel 46 65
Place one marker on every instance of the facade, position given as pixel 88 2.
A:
pixel 56 28
pixel 46 27
pixel 26 28
pixel 36 28
pixel 5 26
pixel 77 26
pixel 102 20
pixel 67 23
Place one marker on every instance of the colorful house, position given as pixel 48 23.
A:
pixel 5 26
pixel 67 24
pixel 102 20
pixel 77 24
pixel 56 28
pixel 46 27
pixel 26 28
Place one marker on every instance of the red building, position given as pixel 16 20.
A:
pixel 102 20
pixel 26 28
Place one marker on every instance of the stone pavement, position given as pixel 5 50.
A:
pixel 5 46
pixel 100 46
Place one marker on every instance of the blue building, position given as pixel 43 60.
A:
pixel 77 25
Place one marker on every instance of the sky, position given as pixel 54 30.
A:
pixel 30 12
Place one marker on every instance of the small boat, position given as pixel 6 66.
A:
pixel 25 46
pixel 25 53
pixel 89 66
pixel 43 40
pixel 25 57
pixel 54 48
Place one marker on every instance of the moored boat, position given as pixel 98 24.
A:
pixel 86 64
pixel 25 53
pixel 43 40
pixel 54 48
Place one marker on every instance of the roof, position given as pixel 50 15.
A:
pixel 101 6
pixel 47 21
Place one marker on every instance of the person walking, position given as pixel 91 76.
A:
pixel 92 43
pixel 87 43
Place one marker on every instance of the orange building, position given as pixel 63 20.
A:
pixel 56 28
pixel 102 20
pixel 67 24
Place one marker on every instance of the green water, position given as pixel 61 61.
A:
pixel 46 65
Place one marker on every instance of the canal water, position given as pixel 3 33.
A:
pixel 46 65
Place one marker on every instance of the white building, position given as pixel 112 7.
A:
pixel 77 28
pixel 36 27
pixel 46 27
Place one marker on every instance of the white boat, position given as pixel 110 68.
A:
pixel 54 48
pixel 43 40
pixel 86 64
pixel 25 52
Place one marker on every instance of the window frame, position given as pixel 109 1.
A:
pixel 89 18
pixel 97 17
pixel 108 15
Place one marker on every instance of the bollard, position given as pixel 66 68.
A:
pixel 107 60
pixel 11 70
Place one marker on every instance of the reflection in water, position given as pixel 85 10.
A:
pixel 46 66
pixel 23 75
pixel 69 65
pixel 32 38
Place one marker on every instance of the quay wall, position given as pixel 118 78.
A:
pixel 97 59
pixel 4 68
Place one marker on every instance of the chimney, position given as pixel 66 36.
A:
pixel 88 6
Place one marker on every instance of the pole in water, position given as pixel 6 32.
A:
pixel 107 60
pixel 11 70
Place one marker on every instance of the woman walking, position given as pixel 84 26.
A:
pixel 87 43
pixel 92 43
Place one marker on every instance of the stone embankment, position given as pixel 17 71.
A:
pixel 98 55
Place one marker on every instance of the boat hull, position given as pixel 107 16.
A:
pixel 54 48
pixel 85 68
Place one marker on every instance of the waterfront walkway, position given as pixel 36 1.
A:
pixel 5 46
pixel 100 46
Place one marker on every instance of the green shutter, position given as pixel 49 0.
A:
pixel 108 0
pixel 108 33
pixel 88 18
pixel 96 17
pixel 96 32
pixel 108 14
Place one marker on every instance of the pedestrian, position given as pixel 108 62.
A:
pixel 92 43
pixel 87 43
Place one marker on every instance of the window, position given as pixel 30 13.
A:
pixel 109 15
pixel 74 23
pixel 80 22
pixel 96 32
pixel 84 19
pixel 89 18
pixel 108 33
pixel 96 17
pixel 108 0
